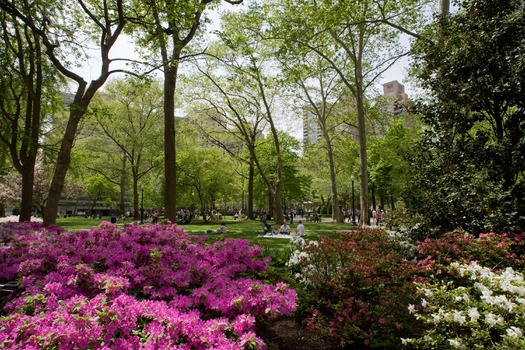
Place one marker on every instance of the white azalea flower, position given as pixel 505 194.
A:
pixel 456 344
pixel 428 292
pixel 490 318
pixel 459 318
pixel 514 332
pixel 466 297
pixel 473 314
pixel 406 341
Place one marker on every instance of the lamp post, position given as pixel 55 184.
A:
pixel 142 204
pixel 353 202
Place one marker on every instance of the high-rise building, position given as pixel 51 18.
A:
pixel 311 129
pixel 399 98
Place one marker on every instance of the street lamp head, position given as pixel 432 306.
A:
pixel 142 187
pixel 352 178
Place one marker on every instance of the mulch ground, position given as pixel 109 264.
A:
pixel 287 334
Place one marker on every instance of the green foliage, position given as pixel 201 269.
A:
pixel 98 188
pixel 295 185
pixel 202 178
pixel 388 159
pixel 469 171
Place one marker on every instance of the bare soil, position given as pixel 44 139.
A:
pixel 287 334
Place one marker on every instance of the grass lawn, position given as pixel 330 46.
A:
pixel 242 229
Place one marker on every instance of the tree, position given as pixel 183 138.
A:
pixel 202 177
pixel 4 197
pixel 9 189
pixel 365 33
pixel 56 23
pixel 247 93
pixel 229 112
pixel 444 8
pixel 99 189
pixel 128 116
pixel 469 173
pixel 295 185
pixel 166 28
pixel 221 113
pixel 389 161
pixel 320 91
pixel 28 84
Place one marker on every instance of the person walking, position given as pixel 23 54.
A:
pixel 378 217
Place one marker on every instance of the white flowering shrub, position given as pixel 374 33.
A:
pixel 403 243
pixel 300 261
pixel 477 309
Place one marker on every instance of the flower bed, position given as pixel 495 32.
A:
pixel 360 290
pixel 136 287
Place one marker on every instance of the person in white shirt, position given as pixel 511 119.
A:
pixel 285 229
pixel 300 229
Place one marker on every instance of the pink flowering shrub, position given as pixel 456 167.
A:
pixel 359 288
pixel 493 250
pixel 136 287
pixel 12 228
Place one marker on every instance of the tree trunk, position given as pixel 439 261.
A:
pixel 251 175
pixel 28 179
pixel 271 199
pixel 444 8
pixel 122 204
pixel 170 166
pixel 136 213
pixel 62 165
pixel 278 206
pixel 374 206
pixel 336 213
pixel 365 217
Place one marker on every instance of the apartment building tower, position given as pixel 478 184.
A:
pixel 398 98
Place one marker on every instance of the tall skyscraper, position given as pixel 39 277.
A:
pixel 311 129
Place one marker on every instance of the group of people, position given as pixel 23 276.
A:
pixel 378 215
pixel 351 215
pixel 286 230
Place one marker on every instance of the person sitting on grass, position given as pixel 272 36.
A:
pixel 222 228
pixel 300 229
pixel 285 229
